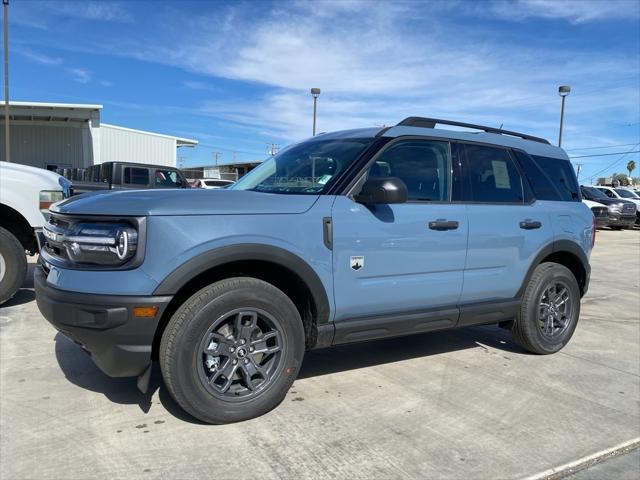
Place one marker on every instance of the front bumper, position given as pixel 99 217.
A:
pixel 119 343
pixel 617 220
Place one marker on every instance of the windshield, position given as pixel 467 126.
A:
pixel 305 168
pixel 625 193
pixel 591 192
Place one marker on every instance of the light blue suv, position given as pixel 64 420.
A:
pixel 345 237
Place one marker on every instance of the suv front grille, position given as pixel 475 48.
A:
pixel 600 212
pixel 55 228
pixel 628 209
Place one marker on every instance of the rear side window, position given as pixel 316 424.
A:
pixel 492 176
pixel 136 176
pixel 423 165
pixel 543 189
pixel 560 173
pixel 167 179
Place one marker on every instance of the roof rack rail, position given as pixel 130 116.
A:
pixel 432 122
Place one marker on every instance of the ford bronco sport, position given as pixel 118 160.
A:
pixel 345 237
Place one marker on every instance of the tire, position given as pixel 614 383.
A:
pixel 13 265
pixel 544 330
pixel 616 228
pixel 211 330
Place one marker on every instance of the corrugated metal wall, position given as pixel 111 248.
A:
pixel 39 145
pixel 119 145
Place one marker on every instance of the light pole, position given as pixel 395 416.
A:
pixel 563 91
pixel 7 142
pixel 314 93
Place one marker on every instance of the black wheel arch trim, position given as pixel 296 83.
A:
pixel 558 246
pixel 249 252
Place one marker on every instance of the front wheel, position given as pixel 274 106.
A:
pixel 232 350
pixel 550 310
pixel 13 265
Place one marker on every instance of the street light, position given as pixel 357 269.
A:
pixel 314 93
pixel 563 91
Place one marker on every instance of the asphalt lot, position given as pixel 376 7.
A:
pixel 465 404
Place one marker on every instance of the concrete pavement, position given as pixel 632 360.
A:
pixel 460 404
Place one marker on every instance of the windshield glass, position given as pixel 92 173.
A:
pixel 625 193
pixel 592 192
pixel 305 168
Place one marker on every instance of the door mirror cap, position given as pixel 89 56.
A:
pixel 383 190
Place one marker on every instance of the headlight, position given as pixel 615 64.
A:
pixel 108 244
pixel 48 198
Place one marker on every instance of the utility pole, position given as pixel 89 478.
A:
pixel 216 155
pixel 7 138
pixel 579 165
pixel 315 92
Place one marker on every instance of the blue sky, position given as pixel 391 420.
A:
pixel 236 75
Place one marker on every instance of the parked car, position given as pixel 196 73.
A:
pixel 212 183
pixel 25 196
pixel 622 213
pixel 345 237
pixel 600 212
pixel 625 194
pixel 126 175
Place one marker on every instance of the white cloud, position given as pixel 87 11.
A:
pixel 106 83
pixel 575 11
pixel 37 57
pixel 80 75
pixel 90 10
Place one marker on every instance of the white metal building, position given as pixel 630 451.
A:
pixel 60 135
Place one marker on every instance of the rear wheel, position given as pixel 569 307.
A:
pixel 13 265
pixel 232 350
pixel 550 310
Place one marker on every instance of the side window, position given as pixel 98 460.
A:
pixel 543 189
pixel 166 178
pixel 607 192
pixel 561 173
pixel 423 165
pixel 136 176
pixel 492 176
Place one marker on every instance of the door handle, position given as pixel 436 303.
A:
pixel 441 224
pixel 529 224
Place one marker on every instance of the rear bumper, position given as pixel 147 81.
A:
pixel 119 343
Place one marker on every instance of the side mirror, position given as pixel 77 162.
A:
pixel 383 190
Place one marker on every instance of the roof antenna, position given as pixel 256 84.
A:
pixel 501 126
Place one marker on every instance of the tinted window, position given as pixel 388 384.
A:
pixel 216 183
pixel 543 189
pixel 167 179
pixel 591 193
pixel 492 175
pixel 607 192
pixel 136 176
pixel 422 165
pixel 561 173
pixel 626 193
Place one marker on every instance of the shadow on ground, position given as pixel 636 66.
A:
pixel 79 369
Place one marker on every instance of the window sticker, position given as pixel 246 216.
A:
pixel 501 174
pixel 324 179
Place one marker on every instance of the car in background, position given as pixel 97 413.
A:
pixel 624 193
pixel 25 196
pixel 128 176
pixel 622 213
pixel 212 183
pixel 600 212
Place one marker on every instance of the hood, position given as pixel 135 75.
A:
pixel 611 201
pixel 591 203
pixel 43 179
pixel 183 202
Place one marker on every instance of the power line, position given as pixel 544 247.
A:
pixel 231 149
pixel 605 154
pixel 615 162
pixel 597 148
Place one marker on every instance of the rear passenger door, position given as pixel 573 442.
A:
pixel 506 229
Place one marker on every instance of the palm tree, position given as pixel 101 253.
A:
pixel 631 166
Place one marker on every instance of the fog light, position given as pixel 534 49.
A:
pixel 145 312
